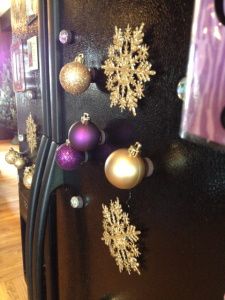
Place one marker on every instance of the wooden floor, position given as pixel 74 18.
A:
pixel 12 284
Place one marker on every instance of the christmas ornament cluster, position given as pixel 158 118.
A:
pixel 127 70
pixel 15 158
pixel 83 136
pixel 124 168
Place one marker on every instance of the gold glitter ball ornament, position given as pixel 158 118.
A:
pixel 75 77
pixel 121 237
pixel 11 156
pixel 125 168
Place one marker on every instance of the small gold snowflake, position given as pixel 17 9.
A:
pixel 127 68
pixel 31 131
pixel 121 237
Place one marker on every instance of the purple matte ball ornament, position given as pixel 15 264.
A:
pixel 85 135
pixel 68 158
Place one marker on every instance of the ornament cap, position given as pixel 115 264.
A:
pixel 135 149
pixel 30 94
pixel 149 167
pixel 102 138
pixel 93 73
pixel 86 157
pixel 65 36
pixel 77 202
pixel 85 118
pixel 79 58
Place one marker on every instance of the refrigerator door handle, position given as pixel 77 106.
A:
pixel 53 178
pixel 32 207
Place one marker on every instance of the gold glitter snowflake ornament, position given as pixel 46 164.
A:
pixel 121 237
pixel 31 131
pixel 127 68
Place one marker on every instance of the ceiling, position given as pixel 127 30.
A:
pixel 4 6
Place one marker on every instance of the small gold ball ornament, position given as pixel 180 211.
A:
pixel 75 77
pixel 125 168
pixel 19 162
pixel 10 156
pixel 28 176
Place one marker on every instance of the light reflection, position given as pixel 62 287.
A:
pixel 205 30
pixel 216 33
pixel 213 14
pixel 123 169
pixel 73 76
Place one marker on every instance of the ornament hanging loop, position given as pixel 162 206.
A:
pixel 79 58
pixel 135 149
pixel 85 118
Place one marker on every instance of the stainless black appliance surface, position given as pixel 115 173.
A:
pixel 180 209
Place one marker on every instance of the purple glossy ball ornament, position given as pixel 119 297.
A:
pixel 68 158
pixel 84 135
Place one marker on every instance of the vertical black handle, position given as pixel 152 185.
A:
pixel 52 113
pixel 52 178
pixel 54 68
pixel 32 207
pixel 44 66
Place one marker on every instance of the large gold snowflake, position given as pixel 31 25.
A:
pixel 127 68
pixel 121 237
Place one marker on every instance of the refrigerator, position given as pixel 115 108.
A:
pixel 179 210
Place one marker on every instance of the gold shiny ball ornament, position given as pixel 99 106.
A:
pixel 75 77
pixel 19 162
pixel 125 168
pixel 11 156
pixel 28 176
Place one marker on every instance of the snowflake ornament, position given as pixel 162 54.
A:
pixel 121 237
pixel 127 68
pixel 31 131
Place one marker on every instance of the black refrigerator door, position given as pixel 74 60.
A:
pixel 180 209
